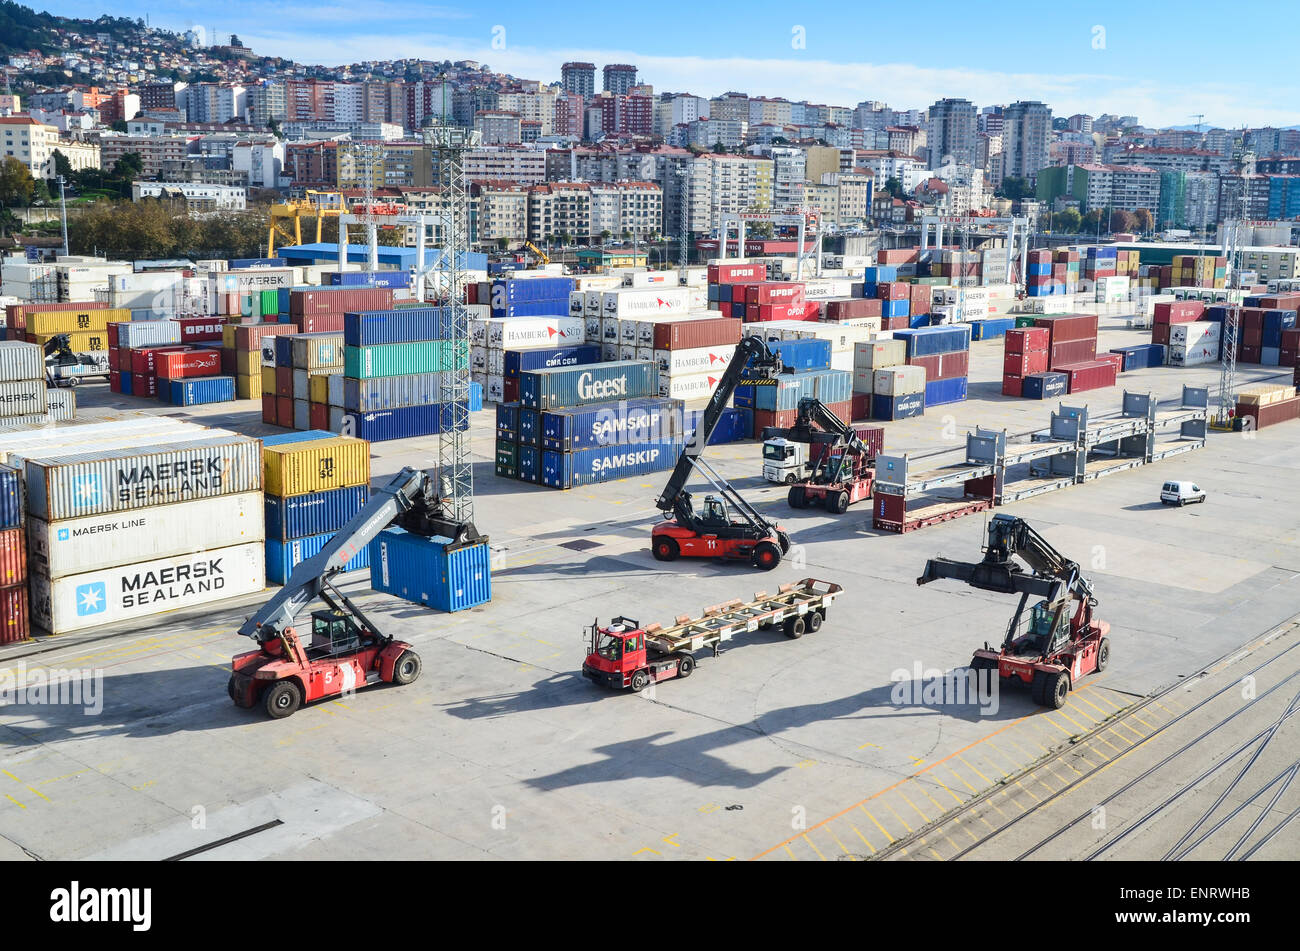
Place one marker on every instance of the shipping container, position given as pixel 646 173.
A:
pixel 283 556
pixel 950 390
pixel 886 407
pixel 397 326
pixel 1027 340
pixel 339 300
pixel 1090 375
pixel 925 341
pixel 594 383
pixel 21 361
pixel 898 381
pixel 401 423
pixel 431 571
pixel 13 557
pixel 404 359
pixel 626 422
pixel 212 389
pixel 566 470
pixel 13 615
pixel 1045 386
pixel 24 398
pixel 876 354
pixel 508 333
pixel 186 364
pixel 315 466
pixel 1071 352
pixel 692 333
pixel 315 351
pixel 507 420
pixel 785 391
pixel 518 360
pixel 95 598
pixel 800 355
pixel 393 392
pixel 84 320
pixel 11 497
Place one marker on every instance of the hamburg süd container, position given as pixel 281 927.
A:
pixel 317 465
pixel 593 383
pixel 74 546
pixel 108 595
pixel 431 571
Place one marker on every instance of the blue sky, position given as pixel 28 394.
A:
pixel 1150 59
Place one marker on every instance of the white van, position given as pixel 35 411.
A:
pixel 1180 493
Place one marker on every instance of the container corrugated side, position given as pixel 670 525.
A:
pixel 11 497
pixel 399 359
pixel 314 513
pixel 95 598
pixel 566 470
pixel 424 571
pixel 396 326
pixel 73 546
pixel 403 423
pixel 148 333
pixel 282 557
pixel 316 351
pixel 94 483
pixel 212 389
pixel 24 398
pixel 593 383
pixel 628 422
pixel 393 392
pixel 82 437
pixel 13 557
pixel 13 614
pixel 21 361
pixel 299 468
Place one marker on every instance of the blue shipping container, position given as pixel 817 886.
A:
pixel 535 308
pixel 11 498
pixel 1044 386
pixel 829 386
pixel 593 383
pixel 282 557
pixel 733 425
pixel 884 274
pixel 530 426
pixel 368 278
pixel 895 308
pixel 938 392
pixel 610 424
pixel 797 355
pixel 897 407
pixel 281 439
pixel 392 392
pixel 315 513
pixel 128 384
pixel 549 358
pixel 508 421
pixel 237 264
pixel 206 389
pixel 927 341
pixel 990 328
pixel 519 290
pixel 567 470
pixel 1276 321
pixel 404 423
pixel 530 463
pixel 475 397
pixel 426 571
pixel 408 325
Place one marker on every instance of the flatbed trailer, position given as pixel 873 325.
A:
pixel 626 655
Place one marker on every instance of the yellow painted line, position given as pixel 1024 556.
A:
pixel 962 778
pixel 914 806
pixel 1136 733
pixel 11 776
pixel 814 846
pixel 1028 790
pixel 975 771
pixel 883 830
pixel 936 854
pixel 1104 713
pixel 1101 739
pixel 1083 714
pixel 938 805
pixel 897 816
pixel 862 837
pixel 15 801
pixel 843 847
pixel 944 786
pixel 791 851
pixel 1081 728
pixel 1057 725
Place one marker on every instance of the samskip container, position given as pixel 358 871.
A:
pixel 627 422
pixel 566 470
pixel 427 571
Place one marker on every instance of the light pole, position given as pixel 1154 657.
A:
pixel 63 209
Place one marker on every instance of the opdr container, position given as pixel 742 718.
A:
pixel 117 594
pixel 430 571
pixel 283 556
pixel 73 546
pixel 299 468
pixel 595 383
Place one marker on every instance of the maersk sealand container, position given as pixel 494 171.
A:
pixel 403 423
pixel 567 470
pixel 594 383
pixel 546 358
pixel 630 422
pixel 375 327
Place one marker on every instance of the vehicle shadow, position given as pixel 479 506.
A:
pixel 1144 506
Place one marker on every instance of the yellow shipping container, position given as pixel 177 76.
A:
pixel 268 381
pixel 247 387
pixel 247 363
pixel 318 388
pixel 73 321
pixel 80 342
pixel 315 466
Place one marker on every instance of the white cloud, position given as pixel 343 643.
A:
pixel 901 85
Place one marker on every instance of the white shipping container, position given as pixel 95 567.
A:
pixel 899 381
pixel 842 360
pixel 653 279
pixel 822 288
pixel 74 546
pixel 1190 334
pixel 638 302
pixel 478 359
pixel 21 361
pixel 696 386
pixel 595 302
pixel 84 436
pixel 495 389
pixel 608 352
pixel 609 330
pixel 577 303
pixel 627 351
pixel 334 389
pixel 248 280
pixel 863 379
pixel 91 483
pixel 877 354
pixel 697 360
pixel 94 598
pixel 595 282
pixel 23 398
pixel 508 333
pixel 1197 354
pixel 496 361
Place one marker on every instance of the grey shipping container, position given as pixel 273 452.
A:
pixel 591 383
pixel 22 399
pixel 392 392
pixel 21 361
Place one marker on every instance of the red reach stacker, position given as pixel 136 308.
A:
pixel 843 466
pixel 1051 648
pixel 623 654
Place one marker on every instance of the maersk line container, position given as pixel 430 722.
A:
pixel 21 361
pixel 283 556
pixel 92 483
pixel 401 359
pixel 403 423
pixel 548 358
pixel 392 392
pixel 627 422
pixel 567 470
pixel 594 383
pixel 431 571
pixel 77 545
pixel 317 465
pixel 95 598
pixel 22 398
pixel 211 389
pixel 11 497
pixel 410 325
pixel 314 513
pixel 829 386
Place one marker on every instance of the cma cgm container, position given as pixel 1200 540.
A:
pixel 78 545
pixel 317 465
pixel 409 325
pixel 549 358
pixel 431 571
pixel 1044 386
pixel 567 470
pixel 627 422
pixel 886 407
pixel 595 383
pixel 315 513
pixel 94 483
pixel 283 556
pixel 402 423
pixel 108 595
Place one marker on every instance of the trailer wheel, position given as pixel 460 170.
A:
pixel 665 549
pixel 1103 654
pixel 766 556
pixel 790 479
pixel 839 504
pixel 797 498
pixel 282 699
pixel 639 681
pixel 795 627
pixel 407 669
pixel 685 664
pixel 814 622
pixel 1056 687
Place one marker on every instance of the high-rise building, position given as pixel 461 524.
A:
pixel 1026 136
pixel 950 132
pixel 619 78
pixel 579 79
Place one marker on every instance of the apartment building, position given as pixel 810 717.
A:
pixel 30 142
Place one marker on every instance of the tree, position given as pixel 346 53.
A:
pixel 606 235
pixel 118 125
pixel 1067 221
pixel 503 243
pixel 719 148
pixel 1122 221
pixel 1145 221
pixel 1092 220
pixel 61 165
pixel 16 184
pixel 893 188
pixel 1015 188
pixel 129 167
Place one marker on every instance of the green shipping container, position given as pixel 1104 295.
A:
pixel 507 454
pixel 1026 320
pixel 402 359
pixel 270 302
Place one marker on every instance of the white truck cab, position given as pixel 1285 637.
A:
pixel 783 461
pixel 1181 493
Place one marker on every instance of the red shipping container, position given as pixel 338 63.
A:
pixel 112 333
pixel 284 412
pixel 1115 358
pixel 1291 340
pixel 896 256
pixel 16 314
pixel 1088 375
pixel 1013 385
pixel 229 363
pixel 854 307
pixel 1250 354
pixel 115 381
pixel 339 300
pixel 894 290
pixel 1071 352
pixel 13 556
pixel 953 365
pixel 895 323
pixel 145 360
pixel 693 333
pixel 184 364
pixel 929 362
pixel 284 382
pixel 1269 414
pixel 1280 302
pixel 1252 337
pixel 318 416
pixel 1060 271
pixel 736 273
pixel 919 301
pixel 1040 256
pixel 1069 327
pixel 1023 364
pixel 194 329
pixel 315 324
pixel 1178 311
pixel 268 409
pixel 13 615
pixel 1027 339
pixel 773 292
pixel 723 307
pixel 861 404
pixel 510 390
pixel 248 337
pixel 785 418
pixel 1160 334
pixel 144 384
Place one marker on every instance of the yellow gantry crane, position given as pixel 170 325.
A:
pixel 285 215
pixel 542 256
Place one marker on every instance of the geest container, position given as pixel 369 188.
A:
pixel 401 423
pixel 566 470
pixel 299 468
pixel 624 423
pixel 431 571
pixel 108 595
pixel 594 383
pixel 78 545
pixel 283 556
pixel 73 485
